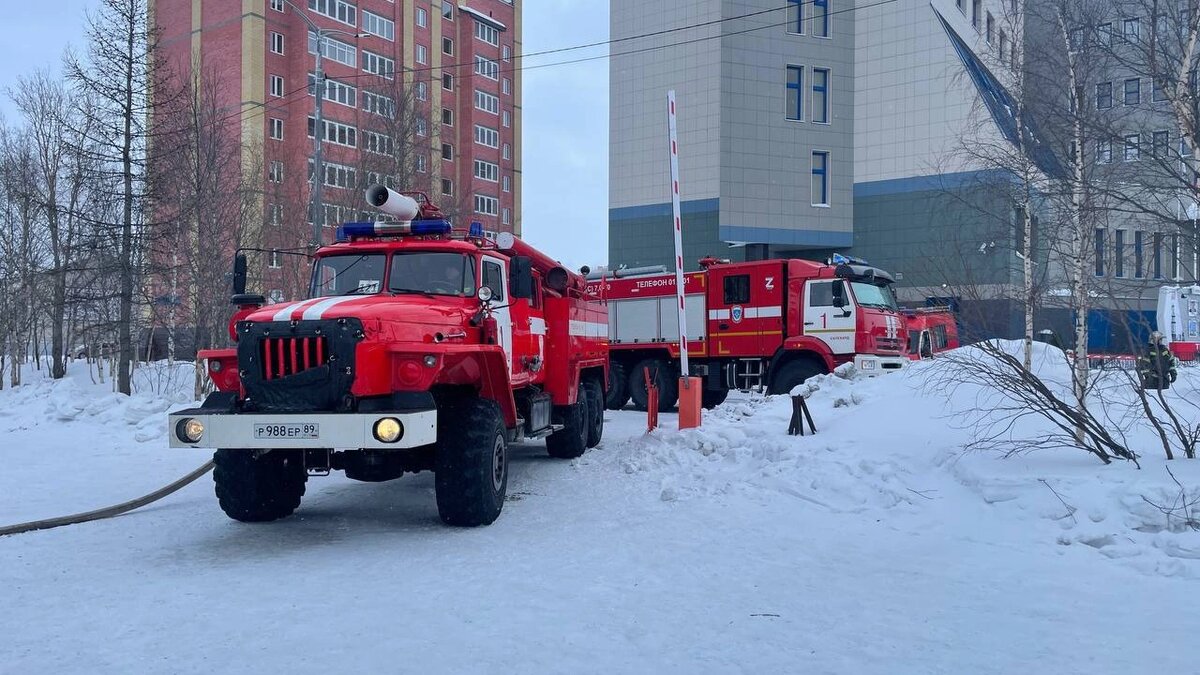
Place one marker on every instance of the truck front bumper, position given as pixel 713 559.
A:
pixel 345 431
pixel 869 364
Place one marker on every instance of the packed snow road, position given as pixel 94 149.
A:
pixel 868 548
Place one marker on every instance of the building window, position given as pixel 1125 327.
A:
pixel 1161 141
pixel 820 95
pixel 820 18
pixel 335 132
pixel 1103 152
pixel 820 178
pixel 1103 95
pixel 447 117
pixel 379 26
pixel 336 175
pixel 507 154
pixel 447 187
pixel 1133 148
pixel 276 259
pixel 1133 91
pixel 505 216
pixel 1003 47
pixel 276 85
pixel 338 10
pixel 275 174
pixel 275 213
pixel 991 28
pixel 795 93
pixel 1175 256
pixel 447 82
pixel 795 16
pixel 335 50
pixel 961 6
pixel 277 5
pixel 334 91
pixel 422 164
pixel 976 12
pixel 1099 251
pixel 380 144
pixel 422 17
pixel 487 136
pixel 422 126
pixel 1119 253
pixel 277 42
pixel 448 46
pixel 487 205
pixel 507 119
pixel 487 68
pixel 487 102
pixel 447 152
pixel 1131 29
pixel 505 52
pixel 487 33
pixel 276 129
pixel 1156 255
pixel 506 86
pixel 379 104
pixel 422 54
pixel 1104 34
pixel 1139 271
pixel 507 184
pixel 487 171
pixel 377 64
pixel 422 91
pixel 447 10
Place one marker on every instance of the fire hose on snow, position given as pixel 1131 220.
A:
pixel 111 511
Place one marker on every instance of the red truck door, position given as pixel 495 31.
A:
pixel 745 309
pixel 829 314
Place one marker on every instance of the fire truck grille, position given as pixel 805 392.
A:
pixel 886 344
pixel 282 357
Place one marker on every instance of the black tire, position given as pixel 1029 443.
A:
pixel 618 386
pixel 471 468
pixel 259 489
pixel 793 374
pixel 711 398
pixel 666 380
pixel 570 441
pixel 595 402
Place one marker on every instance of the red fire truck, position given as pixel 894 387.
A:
pixel 930 330
pixel 771 323
pixel 418 348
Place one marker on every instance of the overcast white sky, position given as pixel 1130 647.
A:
pixel 566 112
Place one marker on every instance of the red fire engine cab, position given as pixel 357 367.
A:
pixel 930 330
pixel 417 348
pixel 771 323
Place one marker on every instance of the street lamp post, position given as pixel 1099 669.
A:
pixel 317 206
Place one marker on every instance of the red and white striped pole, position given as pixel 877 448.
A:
pixel 689 387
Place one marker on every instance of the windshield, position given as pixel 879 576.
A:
pixel 435 273
pixel 869 295
pixel 348 275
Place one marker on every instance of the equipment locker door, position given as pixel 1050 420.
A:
pixel 730 332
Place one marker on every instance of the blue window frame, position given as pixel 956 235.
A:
pixel 1099 251
pixel 820 18
pixel 820 178
pixel 795 16
pixel 820 95
pixel 1139 270
pixel 1119 253
pixel 795 93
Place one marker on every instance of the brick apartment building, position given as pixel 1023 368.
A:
pixel 420 94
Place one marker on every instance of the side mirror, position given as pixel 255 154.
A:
pixel 239 274
pixel 839 294
pixel 520 281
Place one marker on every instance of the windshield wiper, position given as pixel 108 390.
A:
pixel 398 291
pixel 365 288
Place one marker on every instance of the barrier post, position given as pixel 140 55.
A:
pixel 689 387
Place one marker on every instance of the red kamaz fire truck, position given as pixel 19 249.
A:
pixel 772 323
pixel 418 348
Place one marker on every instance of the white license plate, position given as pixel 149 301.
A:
pixel 290 430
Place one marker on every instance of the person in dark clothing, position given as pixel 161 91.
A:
pixel 1157 365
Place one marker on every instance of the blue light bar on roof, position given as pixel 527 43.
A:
pixel 417 227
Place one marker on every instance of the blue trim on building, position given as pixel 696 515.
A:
pixel 664 210
pixel 789 237
pixel 945 181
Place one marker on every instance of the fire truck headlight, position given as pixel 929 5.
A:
pixel 484 294
pixel 388 430
pixel 868 364
pixel 430 360
pixel 190 430
pixel 215 365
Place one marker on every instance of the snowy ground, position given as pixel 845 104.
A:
pixel 875 546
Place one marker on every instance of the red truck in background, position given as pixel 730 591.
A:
pixel 930 330
pixel 770 323
pixel 418 348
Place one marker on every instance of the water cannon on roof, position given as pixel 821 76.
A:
pixel 414 214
